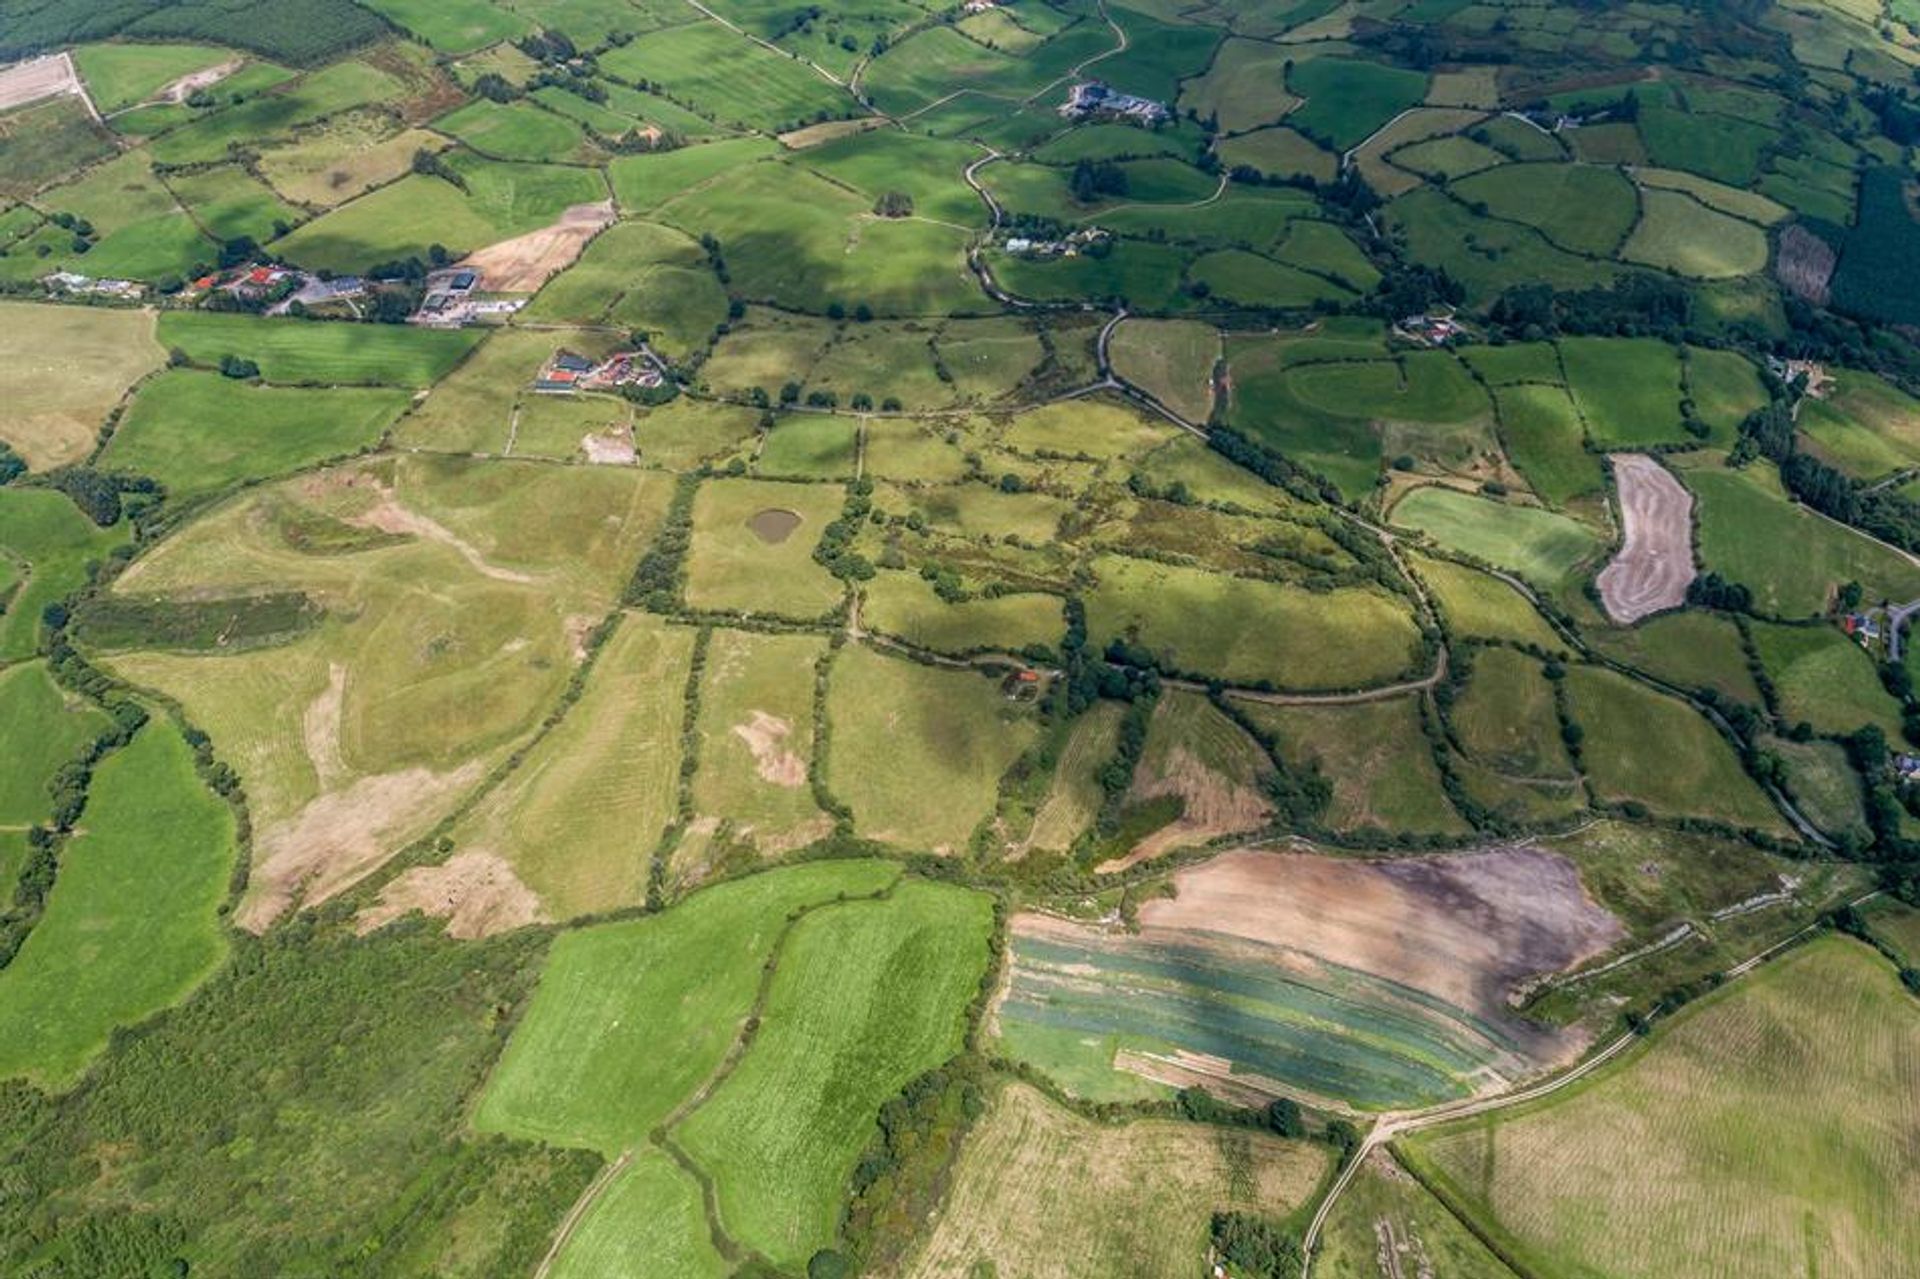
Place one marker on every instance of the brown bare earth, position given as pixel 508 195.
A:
pixel 610 448
pixel 389 516
pixel 524 263
pixel 1215 805
pixel 321 728
pixel 180 89
pixel 341 836
pixel 766 736
pixel 476 892
pixel 1805 264
pixel 1655 561
pixel 1468 928
pixel 38 78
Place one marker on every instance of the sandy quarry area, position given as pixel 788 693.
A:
pixel 38 78
pixel 180 90
pixel 524 263
pixel 1466 927
pixel 1655 562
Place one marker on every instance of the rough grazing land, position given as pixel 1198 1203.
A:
pixel 1771 1130
pixel 1044 1194
pixel 1654 565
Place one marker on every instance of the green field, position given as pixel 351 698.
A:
pixel 1822 677
pixel 584 1067
pixel 1792 559
pixel 1374 754
pixel 1281 635
pixel 1690 649
pixel 196 431
pixel 1628 390
pixel 756 737
pixel 918 751
pixel 1577 207
pixel 1506 720
pixel 579 820
pixel 734 569
pixel 1644 747
pixel 1347 100
pixel 1480 606
pixel 905 606
pixel 514 132
pixel 131 925
pixel 303 352
pixel 1678 233
pixel 867 995
pixel 649 1218
pixel 1540 545
pixel 1171 360
pixel 52 545
pixel 41 728
pixel 1762 1175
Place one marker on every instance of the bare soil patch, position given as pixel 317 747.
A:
pixel 182 88
pixel 1654 565
pixel 1215 805
pixel 476 892
pixel 389 516
pixel 524 263
pixel 775 525
pixel 341 836
pixel 610 448
pixel 38 78
pixel 1469 928
pixel 766 736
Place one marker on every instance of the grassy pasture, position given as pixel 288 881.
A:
pixel 1245 631
pixel 884 361
pixel 1862 424
pixel 342 157
pixel 1345 100
pixel 61 369
pixel 928 169
pixel 726 76
pixel 1690 649
pixel 1823 678
pixel 584 1066
pixel 195 431
pixel 756 736
pixel 296 351
pixel 1376 757
pixel 471 410
pixel 642 183
pixel 649 1219
pixel 1542 430
pixel 130 925
pixel 988 359
pixel 119 75
pixel 1578 207
pixel 514 131
pixel 579 819
pixel 1628 389
pixel 910 452
pixel 640 276
pixel 1478 605
pixel 1716 147
pixel 453 26
pixel 1678 233
pixel 1485 255
pixel 1147 275
pixel 731 568
pixel 1541 546
pixel 918 751
pixel 1506 720
pixel 1041 1191
pixel 1245 87
pixel 404 219
pixel 1789 557
pixel 797 240
pixel 867 995
pixel 1279 152
pixel 40 729
pixel 904 605
pixel 1724 387
pixel 809 447
pixel 1646 747
pixel 43 531
pixel 1749 205
pixel 1248 279
pixel 229 203
pixel 1823 785
pixel 1171 360
pixel 1761 1175
pixel 1382 1198
pixel 1449 157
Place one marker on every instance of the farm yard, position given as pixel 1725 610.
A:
pixel 1046 638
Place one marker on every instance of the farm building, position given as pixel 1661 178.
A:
pixel 1861 626
pixel 1092 98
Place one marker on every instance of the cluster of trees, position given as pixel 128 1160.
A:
pixel 104 497
pixel 238 367
pixel 658 577
pixel 1710 590
pixel 432 164
pixel 1094 180
pixel 12 465
pixel 1637 305
pixel 1256 1247
pixel 836 551
pixel 894 204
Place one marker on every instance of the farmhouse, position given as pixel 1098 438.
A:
pixel 70 282
pixel 1906 766
pixel 567 372
pixel 1430 330
pixel 1092 98
pixel 1861 626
